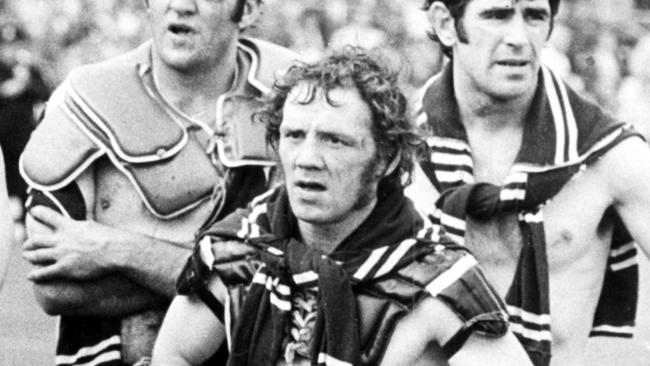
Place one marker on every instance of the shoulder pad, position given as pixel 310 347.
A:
pixel 272 58
pixel 454 277
pixel 111 99
pixel 57 151
pixel 106 109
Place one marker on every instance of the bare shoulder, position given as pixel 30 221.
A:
pixel 431 318
pixel 625 164
pixel 419 335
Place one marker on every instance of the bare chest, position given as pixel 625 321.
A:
pixel 118 204
pixel 577 234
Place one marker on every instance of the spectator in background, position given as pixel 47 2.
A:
pixel 556 55
pixel 312 38
pixel 22 91
pixel 360 30
pixel 6 227
pixel 607 69
pixel 634 94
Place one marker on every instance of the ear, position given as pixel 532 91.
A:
pixel 443 24
pixel 252 12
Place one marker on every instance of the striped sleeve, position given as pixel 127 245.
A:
pixel 455 278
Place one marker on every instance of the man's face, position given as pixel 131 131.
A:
pixel 504 41
pixel 189 34
pixel 328 155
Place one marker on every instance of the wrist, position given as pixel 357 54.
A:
pixel 120 251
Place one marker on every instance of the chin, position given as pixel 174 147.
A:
pixel 179 59
pixel 510 91
pixel 179 63
pixel 314 216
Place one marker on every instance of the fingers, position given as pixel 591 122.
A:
pixel 40 257
pixel 228 250
pixel 48 216
pixel 38 241
pixel 45 273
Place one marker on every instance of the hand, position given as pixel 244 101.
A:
pixel 77 250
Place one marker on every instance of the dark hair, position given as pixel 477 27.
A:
pixel 457 10
pixel 354 67
pixel 238 12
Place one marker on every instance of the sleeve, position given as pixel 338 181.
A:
pixel 234 262
pixel 455 277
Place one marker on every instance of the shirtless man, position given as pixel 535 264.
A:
pixel 128 155
pixel 338 268
pixel 561 176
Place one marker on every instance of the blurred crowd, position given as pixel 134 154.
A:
pixel 601 48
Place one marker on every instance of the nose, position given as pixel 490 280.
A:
pixel 183 6
pixel 308 155
pixel 516 32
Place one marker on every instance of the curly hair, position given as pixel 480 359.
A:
pixel 355 67
pixel 457 10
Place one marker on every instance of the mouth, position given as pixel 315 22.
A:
pixel 310 186
pixel 180 29
pixel 513 63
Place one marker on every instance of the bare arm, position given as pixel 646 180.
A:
pixel 190 333
pixel 627 170
pixel 6 224
pixel 418 335
pixel 110 296
pixel 86 268
pixel 85 250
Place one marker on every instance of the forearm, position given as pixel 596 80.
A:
pixel 110 296
pixel 484 351
pixel 151 263
pixel 203 337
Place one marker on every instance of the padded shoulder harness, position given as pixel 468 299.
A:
pixel 108 109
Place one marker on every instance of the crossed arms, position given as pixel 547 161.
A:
pixel 88 268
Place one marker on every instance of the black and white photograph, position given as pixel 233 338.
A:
pixel 324 183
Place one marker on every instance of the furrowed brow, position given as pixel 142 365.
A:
pixel 497 13
pixel 345 138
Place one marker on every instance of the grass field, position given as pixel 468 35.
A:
pixel 27 335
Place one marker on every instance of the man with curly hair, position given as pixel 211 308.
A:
pixel 539 183
pixel 335 266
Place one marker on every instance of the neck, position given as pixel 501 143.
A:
pixel 195 92
pixel 326 237
pixel 481 111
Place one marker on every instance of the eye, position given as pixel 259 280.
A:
pixel 293 134
pixel 537 15
pixel 333 140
